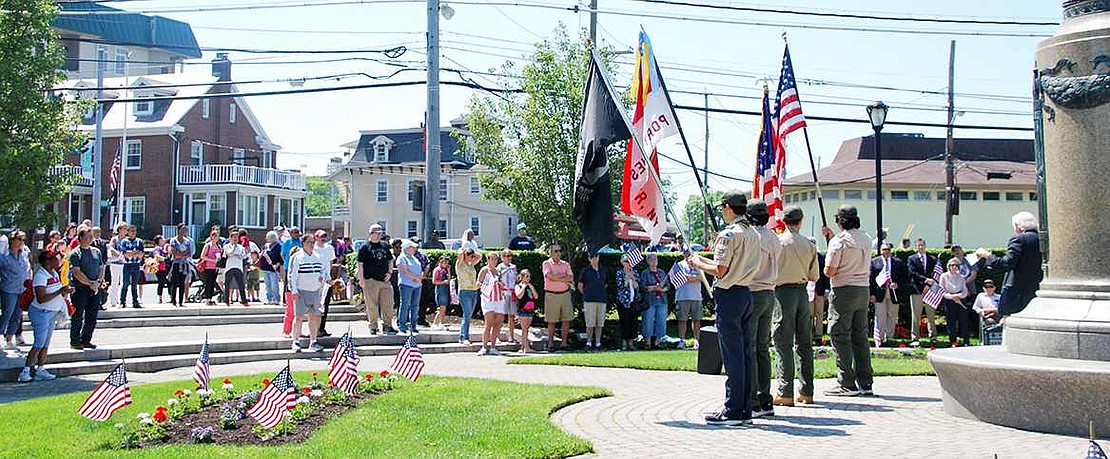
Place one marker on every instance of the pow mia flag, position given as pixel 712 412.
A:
pixel 603 124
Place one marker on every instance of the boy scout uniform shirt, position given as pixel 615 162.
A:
pixel 769 249
pixel 850 253
pixel 737 246
pixel 798 260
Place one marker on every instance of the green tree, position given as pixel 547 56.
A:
pixel 529 141
pixel 320 198
pixel 37 128
pixel 693 215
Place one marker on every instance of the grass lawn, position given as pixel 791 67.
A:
pixel 437 417
pixel 884 363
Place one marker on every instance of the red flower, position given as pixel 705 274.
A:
pixel 308 390
pixel 955 344
pixel 227 381
pixel 384 374
pixel 160 409
pixel 160 416
pixel 902 345
pixel 932 348
pixel 265 382
pixel 179 393
pixel 369 376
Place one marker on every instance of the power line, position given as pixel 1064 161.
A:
pixel 847 15
pixel 393 52
pixel 846 104
pixel 308 90
pixel 856 120
pixel 256 6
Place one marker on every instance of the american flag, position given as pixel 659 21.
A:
pixel 201 369
pixel 935 294
pixel 276 400
pixel 1095 451
pixel 678 275
pixel 409 361
pixel 112 394
pixel 635 256
pixel 788 108
pixel 344 365
pixel 491 290
pixel 766 185
pixel 113 174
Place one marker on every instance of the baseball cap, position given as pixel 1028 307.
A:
pixel 405 244
pixel 321 233
pixel 375 228
pixel 521 226
pixel 734 198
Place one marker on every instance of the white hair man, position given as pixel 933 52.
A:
pixel 1022 263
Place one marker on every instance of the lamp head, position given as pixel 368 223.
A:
pixel 446 11
pixel 877 113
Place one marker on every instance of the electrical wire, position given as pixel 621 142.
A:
pixel 856 120
pixel 308 90
pixel 847 15
pixel 393 52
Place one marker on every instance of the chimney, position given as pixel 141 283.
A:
pixel 221 67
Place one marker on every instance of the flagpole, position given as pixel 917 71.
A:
pixel 708 208
pixel 809 151
pixel 650 167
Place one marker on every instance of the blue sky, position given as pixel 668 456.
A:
pixel 719 58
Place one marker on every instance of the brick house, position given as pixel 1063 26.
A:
pixel 195 161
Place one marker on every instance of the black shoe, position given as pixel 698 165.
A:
pixel 323 334
pixel 763 411
pixel 77 346
pixel 722 418
pixel 137 306
pixel 88 345
pixel 866 392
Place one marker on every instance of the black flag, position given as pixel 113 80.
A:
pixel 603 124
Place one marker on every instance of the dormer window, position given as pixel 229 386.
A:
pixel 145 107
pixel 380 147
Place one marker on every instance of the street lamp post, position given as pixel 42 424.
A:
pixel 877 113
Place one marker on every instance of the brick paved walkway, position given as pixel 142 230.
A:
pixel 658 413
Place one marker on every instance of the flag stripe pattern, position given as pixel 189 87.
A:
pixel 117 164
pixel 678 276
pixel 276 400
pixel 491 291
pixel 935 294
pixel 635 256
pixel 112 394
pixel 788 108
pixel 201 369
pixel 766 185
pixel 344 366
pixel 409 361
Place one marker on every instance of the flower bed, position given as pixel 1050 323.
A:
pixel 220 415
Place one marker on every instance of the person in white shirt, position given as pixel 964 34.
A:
pixel 307 277
pixel 44 312
pixel 326 251
pixel 234 252
pixel 986 303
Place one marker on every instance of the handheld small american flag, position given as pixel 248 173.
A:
pixel 1095 452
pixel 635 256
pixel 201 369
pixel 113 175
pixel 112 394
pixel 276 400
pixel 409 361
pixel 344 365
pixel 678 276
pixel 935 294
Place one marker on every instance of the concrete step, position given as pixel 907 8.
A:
pixel 198 310
pixel 228 319
pixel 164 362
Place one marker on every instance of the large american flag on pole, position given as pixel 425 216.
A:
pixel 409 361
pixel 112 394
pixel 113 174
pixel 766 185
pixel 935 294
pixel 276 400
pixel 787 118
pixel 201 369
pixel 344 365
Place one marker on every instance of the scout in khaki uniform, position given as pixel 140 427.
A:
pixel 763 305
pixel 734 264
pixel 793 316
pixel 847 264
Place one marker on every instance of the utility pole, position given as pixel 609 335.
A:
pixel 593 23
pixel 431 126
pixel 705 173
pixel 98 148
pixel 949 150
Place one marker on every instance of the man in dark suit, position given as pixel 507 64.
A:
pixel 888 278
pixel 921 266
pixel 1022 263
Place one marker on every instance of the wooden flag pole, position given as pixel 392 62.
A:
pixel 812 164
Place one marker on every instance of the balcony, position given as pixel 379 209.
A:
pixel 234 174
pixel 72 171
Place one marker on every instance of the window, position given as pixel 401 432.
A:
pixel 921 195
pixel 788 198
pixel 801 197
pixel 239 156
pixel 475 186
pixel 1013 196
pixel 830 194
pixel 382 189
pixel 442 189
pixel 1032 195
pixel 899 195
pixel 145 107
pixel 134 158
pixel 268 159
pixel 941 196
pixel 231 114
pixel 385 228
pixel 205 108
pixel 410 190
pixel 512 227
pixel 410 228
pixel 196 153
pixel 134 210
pixel 476 224
pixel 812 195
pixel 217 207
pixel 969 195
pixel 283 212
pixel 443 228
pixel 297 214
pixel 853 194
pixel 121 61
pixel 871 195
pixel 381 152
pixel 992 196
pixel 251 210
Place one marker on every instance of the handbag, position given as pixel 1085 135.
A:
pixel 27 296
pixel 530 306
pixel 639 303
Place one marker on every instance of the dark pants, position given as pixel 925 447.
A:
pixel 759 343
pixel 959 321
pixel 179 289
pixel 327 305
pixel 734 312
pixel 848 327
pixel 163 282
pixel 208 277
pixel 235 275
pixel 132 274
pixel 793 332
pixel 86 306
pixel 628 327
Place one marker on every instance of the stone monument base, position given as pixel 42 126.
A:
pixel 990 384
